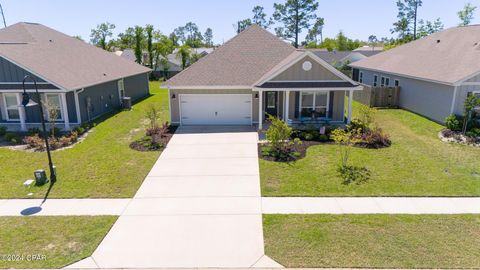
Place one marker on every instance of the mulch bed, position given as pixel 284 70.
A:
pixel 450 136
pixel 142 144
pixel 301 149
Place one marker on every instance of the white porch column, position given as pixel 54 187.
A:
pixel 22 114
pixel 350 101
pixel 287 105
pixel 260 109
pixel 77 108
pixel 63 98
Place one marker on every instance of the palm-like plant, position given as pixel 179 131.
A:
pixel 184 54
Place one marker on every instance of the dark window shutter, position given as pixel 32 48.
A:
pixel 330 104
pixel 355 74
pixel 297 103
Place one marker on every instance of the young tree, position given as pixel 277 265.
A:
pixel 99 35
pixel 208 37
pixel 407 17
pixel 193 36
pixel 373 40
pixel 126 39
pixel 294 15
pixel 150 32
pixel 426 28
pixel 466 14
pixel 260 17
pixel 242 25
pixel 184 53
pixel 174 38
pixel 315 31
pixel 342 42
pixel 139 37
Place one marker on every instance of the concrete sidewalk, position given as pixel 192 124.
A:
pixel 204 197
pixel 370 205
pixel 63 207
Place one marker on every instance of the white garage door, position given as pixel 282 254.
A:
pixel 216 109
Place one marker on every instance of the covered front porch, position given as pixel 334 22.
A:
pixel 305 107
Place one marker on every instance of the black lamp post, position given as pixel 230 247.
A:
pixel 28 102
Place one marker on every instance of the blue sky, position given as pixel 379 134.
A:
pixel 358 19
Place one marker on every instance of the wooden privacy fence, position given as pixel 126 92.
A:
pixel 380 97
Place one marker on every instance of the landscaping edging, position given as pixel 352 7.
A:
pixel 458 138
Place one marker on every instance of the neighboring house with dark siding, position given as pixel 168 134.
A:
pixel 435 73
pixel 83 81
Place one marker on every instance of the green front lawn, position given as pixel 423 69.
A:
pixel 373 241
pixel 417 164
pixel 101 166
pixel 55 241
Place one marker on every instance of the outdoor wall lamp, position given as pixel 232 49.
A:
pixel 28 102
pixel 173 96
pixel 256 95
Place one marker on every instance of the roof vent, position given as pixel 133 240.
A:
pixel 438 40
pixel 104 74
pixel 50 40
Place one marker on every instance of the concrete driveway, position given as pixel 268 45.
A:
pixel 199 206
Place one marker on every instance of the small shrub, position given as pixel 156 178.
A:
pixel 55 132
pixel 152 115
pixel 3 130
pixel 79 130
pixel 373 138
pixel 366 115
pixel 279 133
pixel 353 174
pixel 162 131
pixel 12 137
pixel 35 142
pixel 33 131
pixel 357 126
pixel 475 132
pixel 454 122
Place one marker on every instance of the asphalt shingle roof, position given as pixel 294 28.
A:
pixel 447 57
pixel 60 59
pixel 242 61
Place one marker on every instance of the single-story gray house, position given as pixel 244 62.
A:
pixel 81 80
pixel 255 74
pixel 435 73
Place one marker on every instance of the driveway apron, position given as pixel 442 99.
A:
pixel 199 206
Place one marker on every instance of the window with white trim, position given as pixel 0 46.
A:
pixel 375 80
pixel 360 77
pixel 11 106
pixel 54 104
pixel 397 83
pixel 313 104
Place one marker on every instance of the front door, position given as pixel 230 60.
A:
pixel 271 103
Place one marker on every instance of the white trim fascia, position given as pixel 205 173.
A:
pixel 357 88
pixel 288 81
pixel 210 87
pixel 403 75
pixel 454 99
pixel 53 91
pixel 470 84
pixel 34 73
pixel 26 83
pixel 463 81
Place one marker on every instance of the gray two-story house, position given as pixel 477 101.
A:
pixel 80 80
pixel 435 73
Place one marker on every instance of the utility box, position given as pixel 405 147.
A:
pixel 40 177
pixel 127 103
